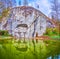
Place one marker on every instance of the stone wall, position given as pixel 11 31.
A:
pixel 35 20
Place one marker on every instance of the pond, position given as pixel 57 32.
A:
pixel 29 50
pixel 54 57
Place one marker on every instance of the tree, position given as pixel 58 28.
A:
pixel 25 3
pixel 9 3
pixel 20 2
pixel 4 7
pixel 55 7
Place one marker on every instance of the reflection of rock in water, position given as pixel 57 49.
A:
pixel 35 20
pixel 22 47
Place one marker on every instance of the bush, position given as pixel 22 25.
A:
pixel 51 31
pixel 4 33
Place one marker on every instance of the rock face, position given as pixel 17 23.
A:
pixel 26 21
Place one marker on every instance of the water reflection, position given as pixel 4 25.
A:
pixel 54 57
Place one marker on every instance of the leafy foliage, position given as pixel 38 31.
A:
pixel 4 33
pixel 54 33
pixel 4 13
pixel 51 31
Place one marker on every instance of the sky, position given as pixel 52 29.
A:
pixel 43 4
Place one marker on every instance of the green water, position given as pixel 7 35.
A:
pixel 30 50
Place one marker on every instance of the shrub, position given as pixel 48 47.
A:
pixel 51 31
pixel 4 33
